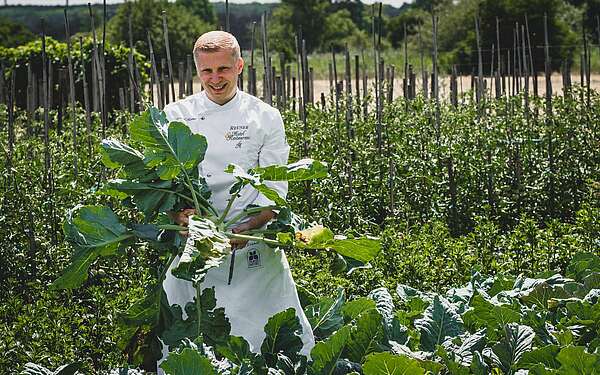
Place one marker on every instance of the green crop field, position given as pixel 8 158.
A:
pixel 427 234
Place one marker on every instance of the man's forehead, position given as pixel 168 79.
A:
pixel 215 57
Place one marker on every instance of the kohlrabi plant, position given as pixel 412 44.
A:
pixel 158 174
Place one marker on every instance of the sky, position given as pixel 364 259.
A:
pixel 396 3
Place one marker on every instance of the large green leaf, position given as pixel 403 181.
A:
pixel 179 328
pixel 116 154
pixel 149 197
pixel 244 178
pixel 237 350
pixel 440 322
pixel 517 341
pixel 169 148
pixel 188 362
pixel 35 369
pixel 389 364
pixel 545 356
pixel 144 311
pixel 352 309
pixel 366 337
pixel 325 354
pixel 582 264
pixel 319 237
pixel 205 248
pixel 325 317
pixel 94 231
pixel 214 325
pixel 302 170
pixel 575 361
pixel 283 335
pixel 486 314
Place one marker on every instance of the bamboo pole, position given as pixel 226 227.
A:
pixel 86 100
pixel 227 28
pixel 168 50
pixel 154 72
pixel 71 93
pixel 479 86
pixel 130 62
pixel 266 60
pixel 98 68
pixel 435 95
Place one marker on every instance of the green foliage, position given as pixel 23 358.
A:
pixel 13 34
pixel 146 19
pixel 200 8
pixel 115 56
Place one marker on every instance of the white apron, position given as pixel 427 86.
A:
pixel 250 133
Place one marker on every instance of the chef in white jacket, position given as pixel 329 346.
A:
pixel 240 129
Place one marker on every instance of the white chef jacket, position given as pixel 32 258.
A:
pixel 250 133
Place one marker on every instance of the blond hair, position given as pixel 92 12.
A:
pixel 214 41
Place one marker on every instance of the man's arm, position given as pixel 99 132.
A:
pixel 275 150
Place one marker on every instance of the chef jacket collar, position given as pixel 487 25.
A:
pixel 214 107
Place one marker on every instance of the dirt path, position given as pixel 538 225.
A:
pixel 464 84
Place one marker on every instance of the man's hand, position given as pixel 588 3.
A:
pixel 182 218
pixel 253 223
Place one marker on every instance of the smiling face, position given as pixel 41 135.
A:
pixel 218 72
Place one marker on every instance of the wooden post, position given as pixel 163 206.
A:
pixel 454 87
pixel 435 95
pixel 154 79
pixel 98 69
pixel 348 77
pixel 266 60
pixel 479 85
pixel 423 72
pixel 525 75
pixel 168 51
pixel 499 90
pixel 181 79
pixel 71 93
pixel 189 74
pixel 2 88
pixel 357 78
pixel 130 62
pixel 86 100
pixel 227 16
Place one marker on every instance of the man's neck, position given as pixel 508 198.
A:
pixel 225 102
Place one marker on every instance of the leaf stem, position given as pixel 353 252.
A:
pixel 253 238
pixel 247 212
pixel 232 198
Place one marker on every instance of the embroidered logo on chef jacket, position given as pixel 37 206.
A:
pixel 253 258
pixel 237 133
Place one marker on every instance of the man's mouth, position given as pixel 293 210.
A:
pixel 218 87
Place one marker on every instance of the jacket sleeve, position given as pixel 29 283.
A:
pixel 274 150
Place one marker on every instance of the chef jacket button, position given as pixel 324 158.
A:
pixel 209 175
pixel 202 118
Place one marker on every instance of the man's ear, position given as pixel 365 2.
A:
pixel 240 65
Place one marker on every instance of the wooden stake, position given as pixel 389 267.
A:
pixel 71 93
pixel 86 100
pixel 168 50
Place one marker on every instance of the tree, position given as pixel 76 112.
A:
pixel 146 17
pixel 412 18
pixel 341 31
pixel 13 34
pixel 290 16
pixel 199 8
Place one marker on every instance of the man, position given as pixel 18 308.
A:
pixel 243 130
